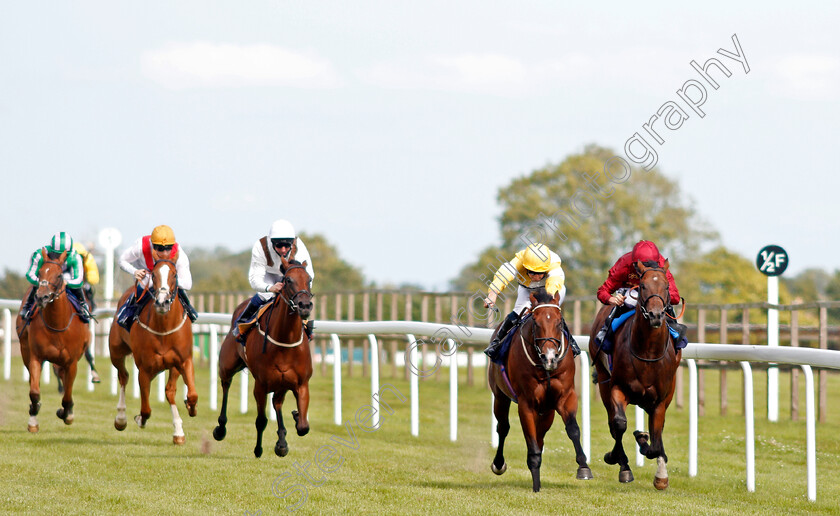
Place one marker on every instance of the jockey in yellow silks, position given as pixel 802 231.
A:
pixel 534 267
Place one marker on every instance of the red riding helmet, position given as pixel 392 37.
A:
pixel 645 251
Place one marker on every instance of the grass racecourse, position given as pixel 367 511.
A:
pixel 90 468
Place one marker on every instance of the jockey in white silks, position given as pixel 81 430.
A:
pixel 266 271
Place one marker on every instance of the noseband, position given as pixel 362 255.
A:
pixel 172 292
pixel 57 285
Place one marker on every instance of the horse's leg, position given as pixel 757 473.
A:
pixel 188 372
pixel 261 422
pixel 281 449
pixel 34 368
pixel 177 424
pixel 618 425
pixel 300 415
pixel 119 350
pixel 229 365
pixel 567 408
pixel 65 413
pixel 58 375
pixel 655 448
pixel 501 411
pixel 145 381
pixel 528 418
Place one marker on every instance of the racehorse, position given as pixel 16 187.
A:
pixel 55 334
pixel 161 338
pixel 539 374
pixel 277 354
pixel 645 365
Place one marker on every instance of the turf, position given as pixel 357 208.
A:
pixel 90 468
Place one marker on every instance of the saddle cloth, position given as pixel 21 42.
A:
pixel 245 326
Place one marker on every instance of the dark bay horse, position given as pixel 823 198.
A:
pixel 539 374
pixel 54 334
pixel 277 354
pixel 161 339
pixel 645 365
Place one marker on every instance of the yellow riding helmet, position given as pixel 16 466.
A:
pixel 537 258
pixel 163 235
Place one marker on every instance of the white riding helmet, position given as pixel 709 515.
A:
pixel 281 229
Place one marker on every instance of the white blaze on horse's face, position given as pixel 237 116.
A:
pixel 161 301
pixel 551 361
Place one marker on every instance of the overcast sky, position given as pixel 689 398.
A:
pixel 389 126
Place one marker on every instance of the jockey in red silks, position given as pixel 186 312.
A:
pixel 623 277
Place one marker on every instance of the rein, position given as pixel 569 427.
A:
pixel 646 315
pixel 58 287
pixel 293 307
pixel 169 300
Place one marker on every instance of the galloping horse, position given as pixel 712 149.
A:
pixel 277 354
pixel 645 365
pixel 55 334
pixel 541 374
pixel 161 338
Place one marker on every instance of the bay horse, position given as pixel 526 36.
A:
pixel 277 353
pixel 160 339
pixel 56 334
pixel 645 364
pixel 539 374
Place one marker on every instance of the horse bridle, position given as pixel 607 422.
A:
pixel 57 286
pixel 537 340
pixel 173 292
pixel 292 300
pixel 643 302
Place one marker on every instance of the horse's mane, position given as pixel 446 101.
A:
pixel 542 296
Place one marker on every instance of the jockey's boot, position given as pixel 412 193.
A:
pixel 309 327
pixel 126 313
pixel 89 292
pixel 493 349
pixel 607 328
pixel 188 307
pixel 253 305
pixel 572 343
pixel 84 312
pixel 604 359
pixel 681 328
pixel 26 310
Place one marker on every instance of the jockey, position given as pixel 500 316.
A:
pixel 266 271
pixel 71 268
pixel 138 260
pixel 623 277
pixel 534 267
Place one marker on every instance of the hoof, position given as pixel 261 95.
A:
pixel 660 483
pixel 625 476
pixel 641 437
pixel 33 429
pixel 68 420
pixel 496 470
pixel 120 425
pixel 281 451
pixel 219 433
pixel 584 474
pixel 179 439
pixel 139 420
pixel 258 452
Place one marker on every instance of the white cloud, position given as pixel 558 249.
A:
pixel 211 65
pixel 807 76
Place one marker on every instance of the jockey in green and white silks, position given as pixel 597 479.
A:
pixel 72 268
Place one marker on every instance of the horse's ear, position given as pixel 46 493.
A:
pixel 556 298
pixel 155 256
pixel 62 257
pixel 533 297
pixel 44 253
pixel 293 250
pixel 284 261
pixel 639 266
pixel 666 264
pixel 304 264
pixel 174 256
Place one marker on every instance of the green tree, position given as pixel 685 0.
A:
pixel 808 285
pixel 13 285
pixel 589 220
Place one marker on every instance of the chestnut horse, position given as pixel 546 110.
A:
pixel 54 334
pixel 277 353
pixel 539 374
pixel 161 338
pixel 645 365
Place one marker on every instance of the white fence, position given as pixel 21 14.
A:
pixel 447 339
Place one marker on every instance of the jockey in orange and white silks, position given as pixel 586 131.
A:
pixel 534 267
pixel 138 260
pixel 265 273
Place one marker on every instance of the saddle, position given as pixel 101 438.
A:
pixel 244 327
pixel 504 347
pixel 607 347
